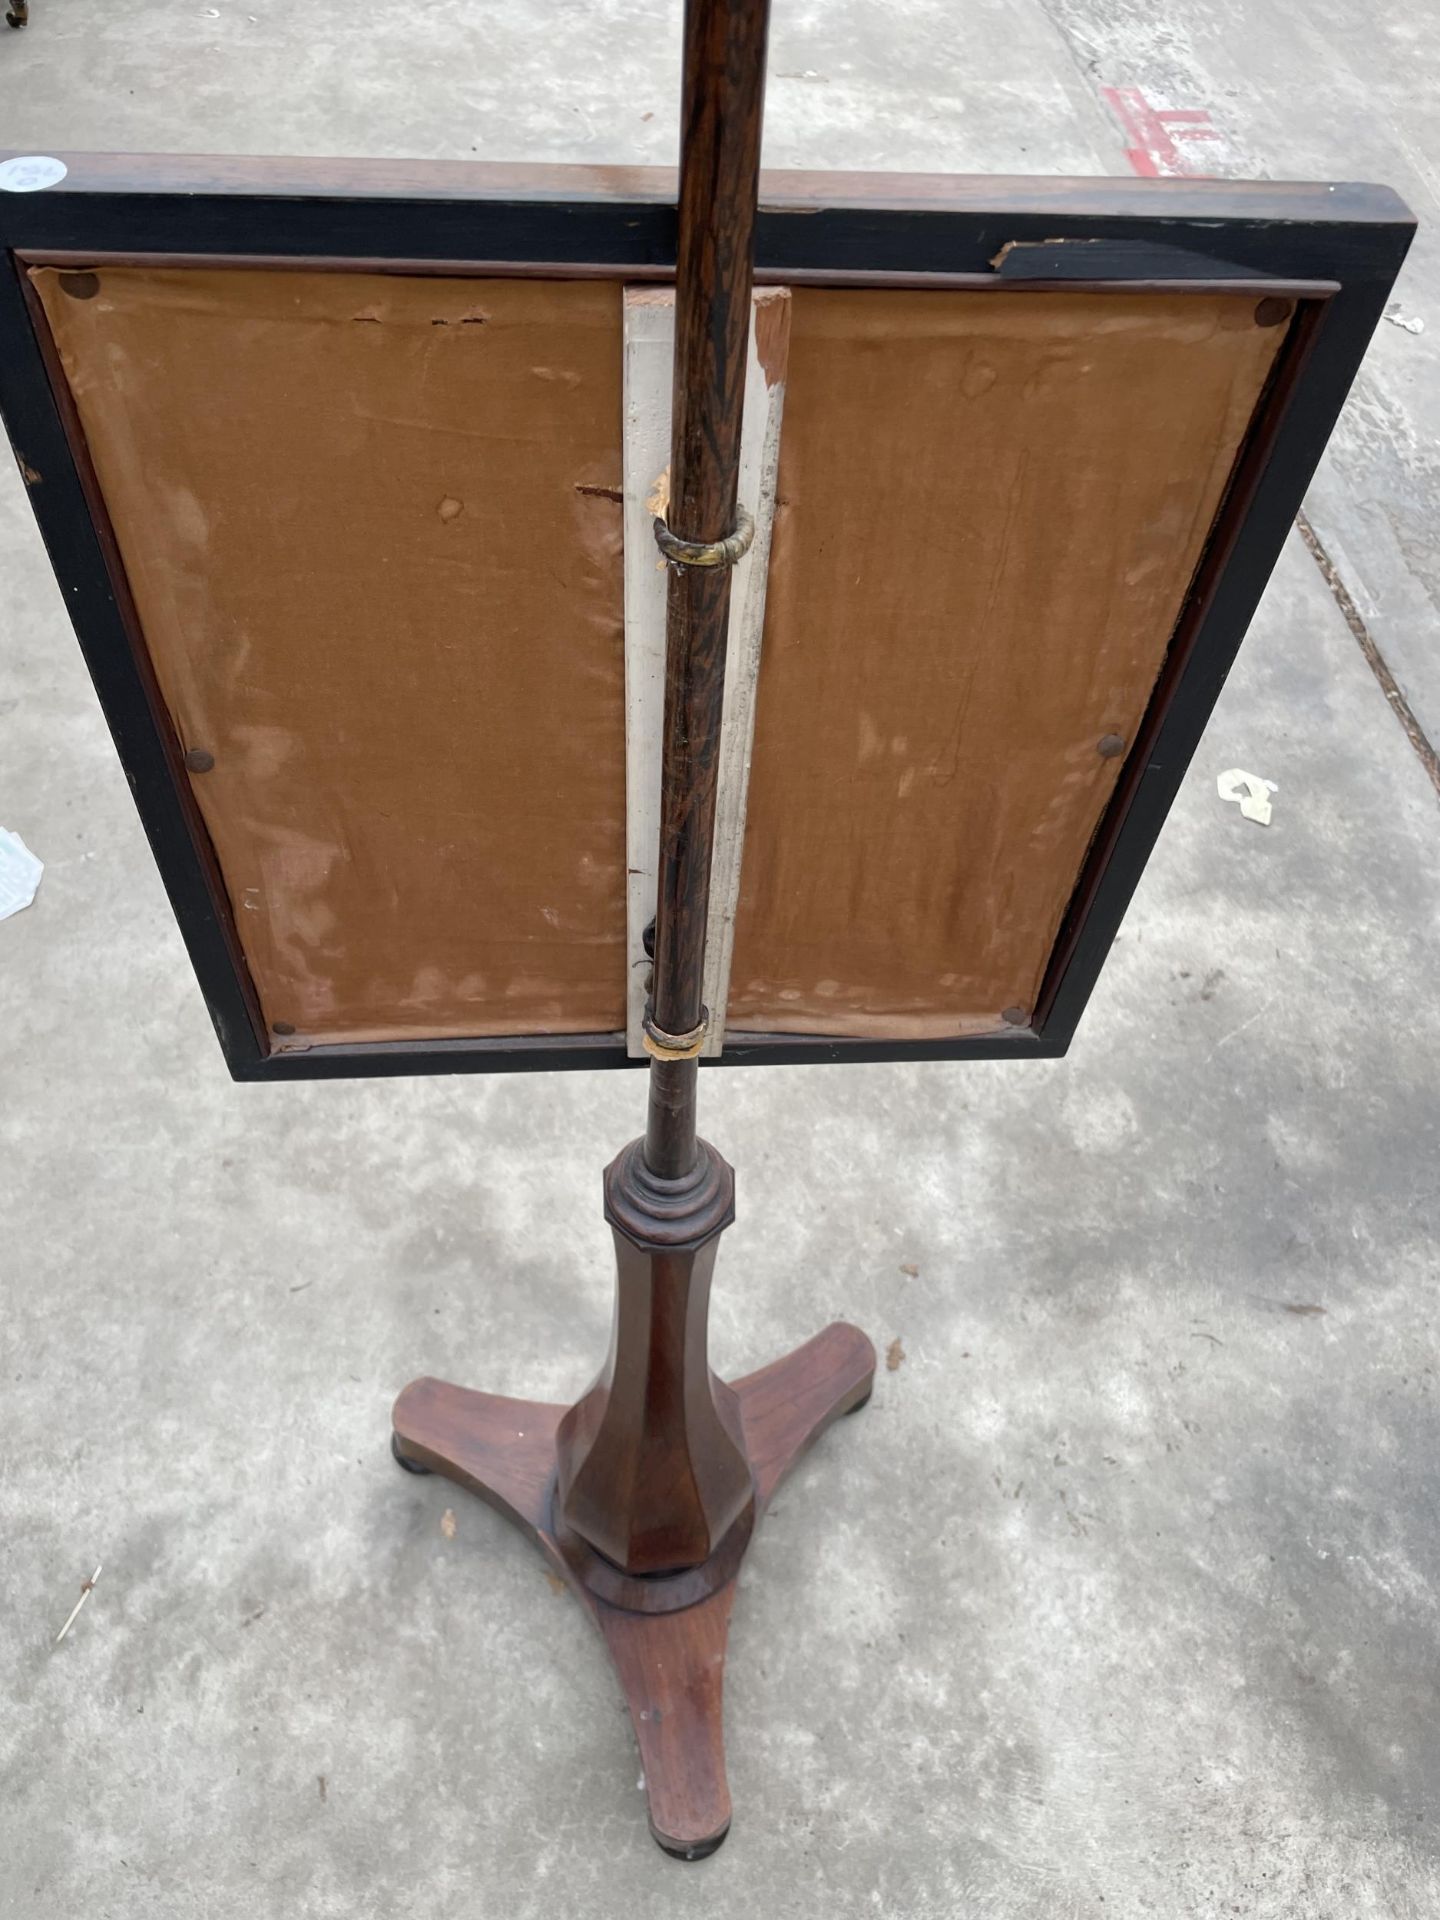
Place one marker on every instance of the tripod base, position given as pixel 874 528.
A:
pixel 666 1633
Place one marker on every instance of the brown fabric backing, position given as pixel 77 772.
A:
pixel 373 532
pixel 990 508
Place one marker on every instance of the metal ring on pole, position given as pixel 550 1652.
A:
pixel 673 1046
pixel 706 553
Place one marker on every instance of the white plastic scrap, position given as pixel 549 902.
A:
pixel 1252 793
pixel 20 873
pixel 1397 317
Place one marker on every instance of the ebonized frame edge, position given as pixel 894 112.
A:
pixel 1342 244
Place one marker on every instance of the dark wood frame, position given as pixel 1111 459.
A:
pixel 1334 250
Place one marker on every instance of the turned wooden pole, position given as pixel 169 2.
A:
pixel 661 1469
pixel 720 119
pixel 652 1474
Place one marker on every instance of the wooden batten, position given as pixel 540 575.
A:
pixel 649 336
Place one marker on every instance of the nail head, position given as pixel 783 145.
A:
pixel 80 286
pixel 199 761
pixel 1272 311
pixel 1111 745
pixel 1015 1017
pixel 282 1027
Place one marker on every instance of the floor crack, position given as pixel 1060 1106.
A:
pixel 1389 686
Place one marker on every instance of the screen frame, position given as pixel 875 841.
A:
pixel 1332 250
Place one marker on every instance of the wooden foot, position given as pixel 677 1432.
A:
pixel 669 1650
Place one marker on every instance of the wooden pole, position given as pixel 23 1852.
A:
pixel 652 1470
pixel 645 1492
pixel 721 112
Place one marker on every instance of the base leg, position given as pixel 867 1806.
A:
pixel 671 1668
pixel 670 1657
pixel 785 1407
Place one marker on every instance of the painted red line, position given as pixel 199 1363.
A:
pixel 1154 132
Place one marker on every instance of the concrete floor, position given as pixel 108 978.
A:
pixel 1121 1599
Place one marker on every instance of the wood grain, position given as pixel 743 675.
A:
pixel 671 1665
pixel 721 113
pixel 652 1470
pixel 245 176
pixel 649 345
